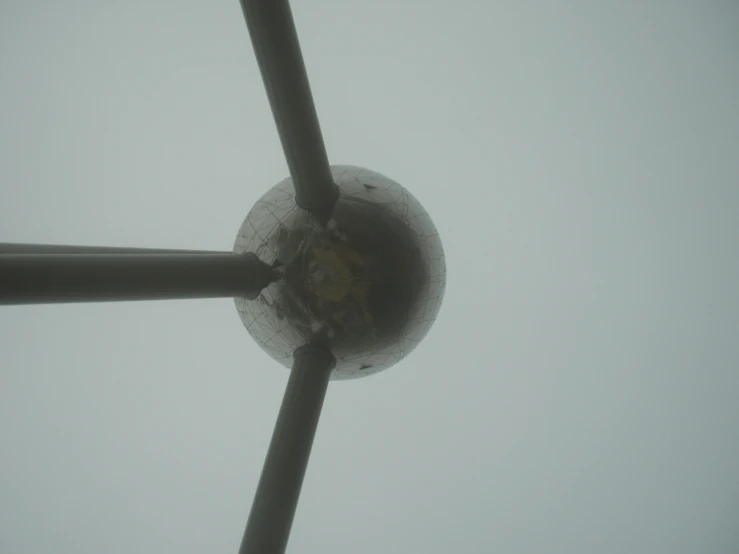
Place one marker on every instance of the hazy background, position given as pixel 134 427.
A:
pixel 579 390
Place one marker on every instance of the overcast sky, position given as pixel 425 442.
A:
pixel 578 392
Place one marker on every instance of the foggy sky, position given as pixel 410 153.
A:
pixel 578 392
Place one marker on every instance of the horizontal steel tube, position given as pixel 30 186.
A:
pixel 23 248
pixel 275 42
pixel 55 278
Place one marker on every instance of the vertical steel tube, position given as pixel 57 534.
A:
pixel 268 526
pixel 275 42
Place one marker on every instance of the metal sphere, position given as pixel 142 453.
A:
pixel 372 280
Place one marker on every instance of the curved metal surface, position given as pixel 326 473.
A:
pixel 375 276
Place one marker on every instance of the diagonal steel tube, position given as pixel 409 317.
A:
pixel 58 278
pixel 276 498
pixel 275 42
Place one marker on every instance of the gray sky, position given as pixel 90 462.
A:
pixel 578 392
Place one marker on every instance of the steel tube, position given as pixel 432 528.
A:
pixel 276 498
pixel 275 42
pixel 22 248
pixel 58 278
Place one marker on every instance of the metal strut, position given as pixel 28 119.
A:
pixel 271 516
pixel 276 46
pixel 58 278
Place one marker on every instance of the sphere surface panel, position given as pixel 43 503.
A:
pixel 373 279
